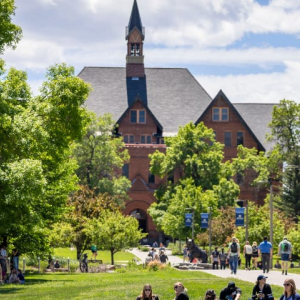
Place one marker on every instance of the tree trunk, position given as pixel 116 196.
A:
pixel 112 256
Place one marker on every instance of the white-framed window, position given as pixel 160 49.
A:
pixel 128 139
pixel 138 116
pixel 146 139
pixel 220 114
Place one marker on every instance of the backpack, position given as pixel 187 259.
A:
pixel 248 249
pixel 234 248
pixel 285 247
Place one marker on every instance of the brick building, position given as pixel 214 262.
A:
pixel 151 103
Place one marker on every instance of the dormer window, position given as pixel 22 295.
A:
pixel 220 114
pixel 138 116
pixel 135 50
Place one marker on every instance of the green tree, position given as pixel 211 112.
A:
pixel 259 224
pixel 10 34
pixel 100 158
pixel 36 171
pixel 114 232
pixel 86 204
pixel 286 133
pixel 205 180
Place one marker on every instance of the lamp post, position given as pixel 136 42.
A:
pixel 210 230
pixel 271 217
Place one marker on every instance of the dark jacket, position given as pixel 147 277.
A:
pixel 182 296
pixel 153 298
pixel 226 293
pixel 266 292
pixel 295 297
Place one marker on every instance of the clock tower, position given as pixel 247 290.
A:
pixel 135 34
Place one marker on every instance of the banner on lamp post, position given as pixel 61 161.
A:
pixel 188 220
pixel 204 220
pixel 240 216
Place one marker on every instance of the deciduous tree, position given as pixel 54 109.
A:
pixel 205 180
pixel 114 232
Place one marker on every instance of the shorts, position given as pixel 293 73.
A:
pixel 285 257
pixel 94 251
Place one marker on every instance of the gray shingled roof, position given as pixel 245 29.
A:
pixel 174 95
pixel 257 116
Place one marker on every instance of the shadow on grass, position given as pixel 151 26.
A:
pixel 15 288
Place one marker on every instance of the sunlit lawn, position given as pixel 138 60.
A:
pixel 112 286
pixel 103 255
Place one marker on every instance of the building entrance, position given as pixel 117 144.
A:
pixel 142 219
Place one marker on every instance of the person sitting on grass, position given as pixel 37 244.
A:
pixel 13 277
pixel 20 276
pixel 262 290
pixel 231 292
pixel 277 265
pixel 210 295
pixel 146 293
pixel 56 265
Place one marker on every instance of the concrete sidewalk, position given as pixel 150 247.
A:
pixel 274 277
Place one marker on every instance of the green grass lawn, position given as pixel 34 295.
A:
pixel 112 286
pixel 103 255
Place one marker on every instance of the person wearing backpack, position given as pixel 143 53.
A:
pixel 233 253
pixel 285 251
pixel 248 254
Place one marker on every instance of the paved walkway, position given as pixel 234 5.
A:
pixel 274 277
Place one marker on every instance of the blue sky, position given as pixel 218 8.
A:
pixel 248 48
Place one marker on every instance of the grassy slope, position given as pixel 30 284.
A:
pixel 112 286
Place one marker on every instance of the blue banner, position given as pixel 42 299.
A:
pixel 240 216
pixel 204 220
pixel 188 220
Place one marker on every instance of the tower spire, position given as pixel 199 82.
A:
pixel 135 20
pixel 135 35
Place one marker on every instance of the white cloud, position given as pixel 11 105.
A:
pixel 256 88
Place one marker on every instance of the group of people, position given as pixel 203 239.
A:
pixel 15 276
pixel 261 291
pixel 14 266
pixel 154 256
pixel 252 253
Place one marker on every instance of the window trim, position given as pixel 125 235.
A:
pixel 138 116
pixel 128 137
pixel 146 136
pixel 220 113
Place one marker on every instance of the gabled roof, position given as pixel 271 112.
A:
pixel 174 96
pixel 135 20
pixel 258 116
pixel 138 99
pixel 224 97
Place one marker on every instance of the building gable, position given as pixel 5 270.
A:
pixel 224 118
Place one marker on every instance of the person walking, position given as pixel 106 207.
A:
pixel 247 254
pixel 233 253
pixel 215 258
pixel 254 255
pixel 265 251
pixel 222 257
pixel 262 290
pixel 290 290
pixel 285 251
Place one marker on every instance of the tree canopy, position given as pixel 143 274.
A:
pixel 36 170
pixel 114 232
pixel 10 34
pixel 285 128
pixel 205 180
